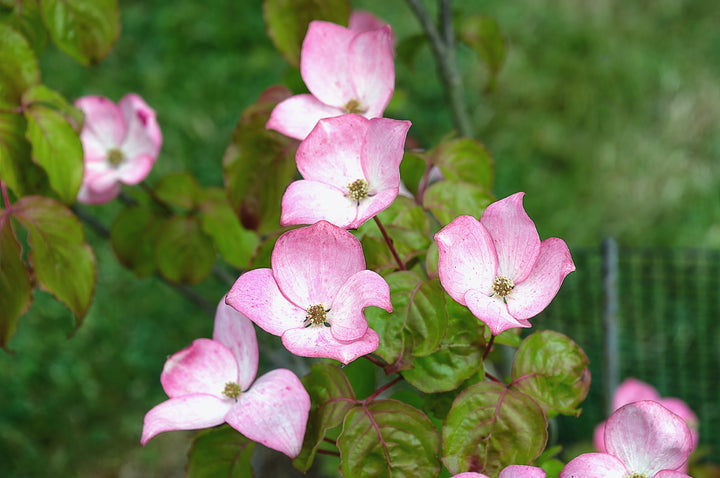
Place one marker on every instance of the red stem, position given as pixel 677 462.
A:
pixel 389 242
pixel 328 452
pixel 6 198
pixel 374 361
pixel 423 184
pixel 382 389
pixel 488 347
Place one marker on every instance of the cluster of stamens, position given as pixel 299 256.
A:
pixel 232 390
pixel 358 190
pixel 353 106
pixel 502 286
pixel 316 315
pixel 115 157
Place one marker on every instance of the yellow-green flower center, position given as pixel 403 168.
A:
pixel 353 106
pixel 115 157
pixel 502 286
pixel 316 315
pixel 358 190
pixel 232 390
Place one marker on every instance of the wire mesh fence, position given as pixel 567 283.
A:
pixel 662 333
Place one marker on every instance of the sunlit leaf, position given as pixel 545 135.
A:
pixel 25 17
pixel 17 168
pixel 63 263
pixel 15 285
pixel 388 438
pixel 553 370
pixel 450 199
pixel 287 21
pixel 490 427
pixel 465 160
pixel 42 95
pixel 183 253
pixel 220 452
pixel 84 29
pixel 19 67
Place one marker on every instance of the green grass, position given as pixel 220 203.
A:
pixel 607 114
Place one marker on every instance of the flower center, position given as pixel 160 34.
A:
pixel 316 315
pixel 115 157
pixel 358 190
pixel 232 390
pixel 637 475
pixel 353 106
pixel 502 286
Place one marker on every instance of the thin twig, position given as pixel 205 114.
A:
pixel 488 347
pixel 390 244
pixel 382 389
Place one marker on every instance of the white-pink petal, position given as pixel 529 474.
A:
pixel 363 289
pixel 135 168
pixel 531 296
pixel 297 116
pixel 372 70
pixel 318 341
pixel 237 333
pixel 648 437
pixel 467 258
pixel 204 367
pixel 515 237
pixel 256 295
pixel 104 121
pixel 522 471
pixel 382 152
pixel 310 264
pixel 143 135
pixel 273 412
pixel 671 474
pixel 633 390
pixel 307 202
pixel 189 412
pixel 324 62
pixel 493 312
pixel 372 205
pixel 594 465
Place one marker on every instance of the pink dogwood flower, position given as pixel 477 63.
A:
pixel 351 171
pixel 643 439
pixel 345 71
pixel 512 471
pixel 498 267
pixel 633 390
pixel 315 293
pixel 121 143
pixel 209 383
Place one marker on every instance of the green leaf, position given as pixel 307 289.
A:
pixel 509 337
pixel 17 169
pixel 450 199
pixel 388 438
pixel 408 48
pixel 19 66
pixel 458 358
pixel 63 263
pixel 15 285
pixel 258 166
pixel 57 149
pixel 25 17
pixel 84 29
pixel 490 427
pixel 553 370
pixel 42 95
pixel 332 397
pixel 183 253
pixel 235 244
pixel 220 452
pixel 465 160
pixel 412 170
pixel 417 324
pixel 178 189
pixel 482 34
pixel 131 237
pixel 287 22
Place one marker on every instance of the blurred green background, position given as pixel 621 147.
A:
pixel 607 114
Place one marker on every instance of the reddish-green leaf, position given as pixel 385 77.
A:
pixel 412 170
pixel 287 21
pixel 56 147
pixel 553 370
pixel 458 357
pixel 131 237
pixel 25 17
pixel 19 67
pixel 17 169
pixel 490 427
pixel 466 160
pixel 388 438
pixel 183 253
pixel 235 244
pixel 417 324
pixel 63 263
pixel 450 199
pixel 332 397
pixel 15 285
pixel 84 29
pixel 42 95
pixel 220 452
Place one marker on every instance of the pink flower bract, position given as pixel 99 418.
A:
pixel 121 143
pixel 315 293
pixel 498 267
pixel 512 471
pixel 642 438
pixel 345 71
pixel 351 171
pixel 211 382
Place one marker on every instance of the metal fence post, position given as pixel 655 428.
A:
pixel 611 356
